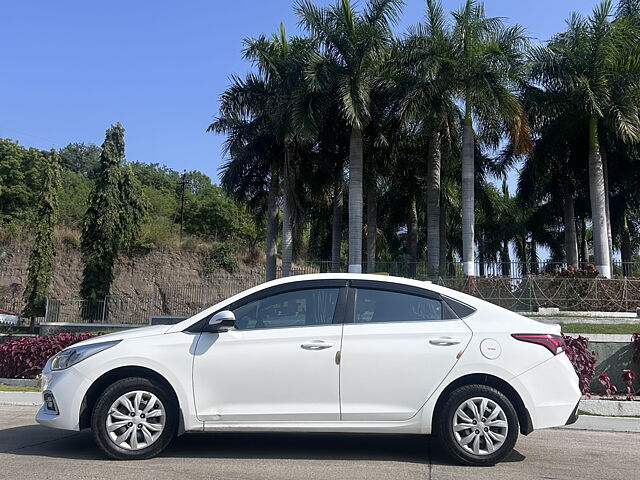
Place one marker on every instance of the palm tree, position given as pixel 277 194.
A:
pixel 490 66
pixel 271 99
pixel 352 43
pixel 281 61
pixel 426 81
pixel 252 171
pixel 595 63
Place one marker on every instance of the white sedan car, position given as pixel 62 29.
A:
pixel 321 353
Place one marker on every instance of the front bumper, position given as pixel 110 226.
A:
pixel 67 387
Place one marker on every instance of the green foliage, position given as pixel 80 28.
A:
pixel 40 269
pixel 74 195
pixel 81 158
pixel 223 257
pixel 20 180
pixel 217 216
pixel 116 211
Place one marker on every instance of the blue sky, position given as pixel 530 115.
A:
pixel 71 68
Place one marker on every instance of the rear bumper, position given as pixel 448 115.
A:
pixel 550 393
pixel 573 418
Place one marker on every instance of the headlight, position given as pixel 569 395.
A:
pixel 72 355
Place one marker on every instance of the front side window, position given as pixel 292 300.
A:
pixel 374 306
pixel 297 308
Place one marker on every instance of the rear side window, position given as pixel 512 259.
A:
pixel 376 306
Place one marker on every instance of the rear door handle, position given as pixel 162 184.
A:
pixel 444 341
pixel 316 345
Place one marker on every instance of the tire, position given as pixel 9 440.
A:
pixel 147 434
pixel 495 439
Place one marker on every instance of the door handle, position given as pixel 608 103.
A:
pixel 316 345
pixel 444 341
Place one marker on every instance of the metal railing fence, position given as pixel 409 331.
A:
pixel 514 285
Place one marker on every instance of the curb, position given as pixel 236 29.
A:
pixel 21 382
pixel 21 398
pixel 606 424
pixel 607 407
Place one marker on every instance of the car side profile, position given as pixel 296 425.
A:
pixel 321 353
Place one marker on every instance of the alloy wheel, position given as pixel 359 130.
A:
pixel 480 426
pixel 136 420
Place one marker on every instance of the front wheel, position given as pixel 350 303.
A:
pixel 478 425
pixel 134 419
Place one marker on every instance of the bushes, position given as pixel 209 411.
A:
pixel 24 357
pixel 582 359
pixel 223 257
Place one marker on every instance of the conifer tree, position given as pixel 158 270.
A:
pixel 40 269
pixel 113 218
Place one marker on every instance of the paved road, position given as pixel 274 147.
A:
pixel 30 451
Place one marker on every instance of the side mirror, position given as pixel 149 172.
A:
pixel 221 321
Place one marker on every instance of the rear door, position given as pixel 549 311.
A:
pixel 398 345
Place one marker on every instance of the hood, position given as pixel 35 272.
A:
pixel 125 334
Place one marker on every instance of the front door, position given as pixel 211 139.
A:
pixel 396 350
pixel 277 364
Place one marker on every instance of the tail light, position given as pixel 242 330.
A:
pixel 553 343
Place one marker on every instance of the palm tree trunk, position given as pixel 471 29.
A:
pixel 570 234
pixel 287 236
pixel 626 250
pixel 598 202
pixel 585 243
pixel 468 200
pixel 355 201
pixel 444 248
pixel 336 224
pixel 412 238
pixel 433 204
pixel 372 225
pixel 534 256
pixel 605 173
pixel 272 224
pixel 505 259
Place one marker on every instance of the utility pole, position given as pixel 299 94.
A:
pixel 183 184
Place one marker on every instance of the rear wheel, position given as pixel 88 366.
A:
pixel 477 425
pixel 134 418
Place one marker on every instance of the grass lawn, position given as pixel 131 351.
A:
pixel 622 328
pixel 17 388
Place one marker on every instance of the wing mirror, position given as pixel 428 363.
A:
pixel 221 321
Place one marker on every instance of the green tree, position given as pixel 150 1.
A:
pixel 354 44
pixel 40 269
pixel 596 63
pixel 426 79
pixel 112 219
pixel 81 158
pixel 490 67
pixel 20 180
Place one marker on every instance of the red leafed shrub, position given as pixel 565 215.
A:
pixel 24 357
pixel 635 340
pixel 583 361
pixel 605 381
pixel 628 376
pixel 570 272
